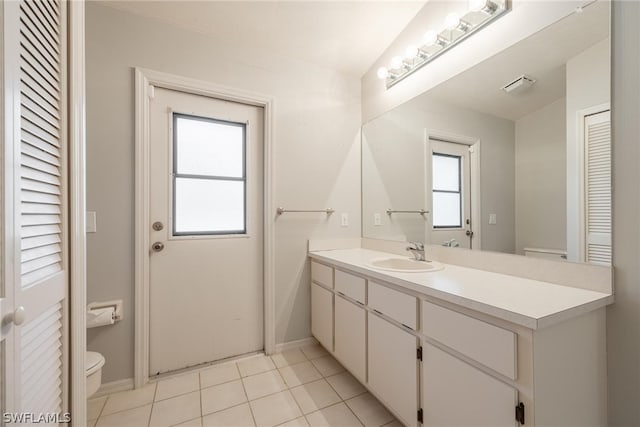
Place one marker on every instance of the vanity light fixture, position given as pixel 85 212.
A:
pixel 434 43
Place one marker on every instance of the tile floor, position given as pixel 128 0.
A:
pixel 303 387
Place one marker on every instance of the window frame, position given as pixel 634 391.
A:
pixel 458 192
pixel 175 175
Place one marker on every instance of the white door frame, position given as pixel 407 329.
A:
pixel 77 211
pixel 474 154
pixel 576 225
pixel 144 80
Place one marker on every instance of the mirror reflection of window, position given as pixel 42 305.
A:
pixel 447 191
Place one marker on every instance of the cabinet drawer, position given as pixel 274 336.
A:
pixel 400 307
pixel 490 345
pixel 322 274
pixel 350 285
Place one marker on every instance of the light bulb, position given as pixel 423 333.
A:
pixel 396 62
pixel 411 52
pixel 430 38
pixel 477 5
pixel 383 73
pixel 452 21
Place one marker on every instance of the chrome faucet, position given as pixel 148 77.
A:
pixel 417 250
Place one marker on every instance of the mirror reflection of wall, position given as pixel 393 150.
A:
pixel 539 188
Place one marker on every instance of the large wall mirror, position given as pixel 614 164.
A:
pixel 512 155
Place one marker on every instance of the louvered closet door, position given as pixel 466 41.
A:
pixel 41 215
pixel 597 130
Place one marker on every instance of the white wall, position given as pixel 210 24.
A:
pixel 588 85
pixel 623 318
pixel 541 178
pixel 497 174
pixel 526 18
pixel 317 152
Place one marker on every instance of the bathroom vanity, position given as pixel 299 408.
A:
pixel 462 346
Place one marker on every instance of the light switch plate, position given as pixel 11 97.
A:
pixel 91 222
pixel 344 219
pixel 492 219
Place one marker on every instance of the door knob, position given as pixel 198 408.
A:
pixel 18 316
pixel 469 233
pixel 157 226
pixel 157 246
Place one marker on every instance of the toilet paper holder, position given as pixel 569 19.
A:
pixel 115 304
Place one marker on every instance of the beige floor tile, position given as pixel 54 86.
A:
pixel 176 410
pixel 275 409
pixel 196 422
pixel 219 374
pixel 255 365
pixel 182 384
pixel 263 384
pixel 346 385
pixel 132 417
pixel 238 416
pixel 394 423
pixel 299 374
pixel 129 399
pixel 314 351
pixel 369 411
pixel 327 366
pixel 289 357
pixel 222 396
pixel 95 406
pixel 314 396
pixel 92 423
pixel 298 422
pixel 333 416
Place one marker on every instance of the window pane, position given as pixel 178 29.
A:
pixel 446 173
pixel 446 210
pixel 209 148
pixel 208 206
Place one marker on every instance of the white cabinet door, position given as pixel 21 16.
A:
pixel 393 368
pixel 455 393
pixel 350 337
pixel 322 315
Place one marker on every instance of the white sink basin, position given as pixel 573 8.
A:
pixel 405 265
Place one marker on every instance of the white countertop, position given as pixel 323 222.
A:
pixel 525 302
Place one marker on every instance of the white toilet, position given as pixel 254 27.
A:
pixel 93 365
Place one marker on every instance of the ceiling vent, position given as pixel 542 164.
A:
pixel 519 85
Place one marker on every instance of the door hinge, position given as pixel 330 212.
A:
pixel 520 413
pixel 420 415
pixel 419 353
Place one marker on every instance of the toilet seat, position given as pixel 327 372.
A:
pixel 93 362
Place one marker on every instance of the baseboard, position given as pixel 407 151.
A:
pixel 114 387
pixel 292 345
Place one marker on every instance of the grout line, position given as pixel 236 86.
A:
pixel 352 411
pixel 253 416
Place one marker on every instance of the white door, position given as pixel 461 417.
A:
pixel 206 229
pixel 393 368
pixel 34 208
pixel 350 337
pixel 597 143
pixel 455 394
pixel 450 194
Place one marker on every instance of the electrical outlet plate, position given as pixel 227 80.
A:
pixel 377 219
pixel 344 219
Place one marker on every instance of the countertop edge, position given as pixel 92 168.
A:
pixel 507 315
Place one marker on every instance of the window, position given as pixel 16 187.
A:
pixel 209 178
pixel 447 191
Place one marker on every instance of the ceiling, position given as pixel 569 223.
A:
pixel 347 36
pixel 542 56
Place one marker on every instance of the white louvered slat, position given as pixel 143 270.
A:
pixel 598 188
pixel 37 153
pixel 40 230
pixel 39 208
pixel 38 241
pixel 34 197
pixel 41 345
